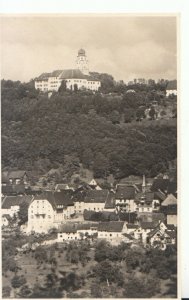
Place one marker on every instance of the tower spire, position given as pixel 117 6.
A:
pixel 82 62
pixel 143 184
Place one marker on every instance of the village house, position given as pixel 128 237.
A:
pixel 61 187
pixel 125 198
pixel 171 213
pixel 70 232
pixel 13 189
pixel 169 207
pixel 144 202
pixel 15 177
pixel 50 209
pixel 5 219
pixel 148 201
pixel 112 231
pixel 131 228
pixel 11 204
pixel 95 200
pixel 171 88
pixel 67 232
pixel 161 238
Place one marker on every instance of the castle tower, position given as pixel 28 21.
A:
pixel 82 62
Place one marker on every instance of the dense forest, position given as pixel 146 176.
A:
pixel 103 131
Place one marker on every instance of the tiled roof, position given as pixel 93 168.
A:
pixel 13 189
pixel 68 228
pixel 56 73
pixel 14 174
pixel 159 196
pixel 170 200
pixel 148 225
pixel 9 201
pixel 110 201
pixel 72 73
pixel 64 197
pixel 112 226
pixel 62 186
pixel 150 217
pixel 172 85
pixel 147 197
pixel 170 227
pixel 172 188
pixel 96 196
pixel 132 226
pixel 43 76
pixel 153 232
pixel 79 196
pixel 172 233
pixel 126 192
pixel 160 184
pixel 65 74
pixel 57 198
pixel 87 226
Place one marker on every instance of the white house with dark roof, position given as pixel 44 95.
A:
pixel 49 210
pixel 171 88
pixel 75 78
pixel 112 231
pixel 161 238
pixel 70 232
pixel 11 204
pixel 125 198
pixel 95 200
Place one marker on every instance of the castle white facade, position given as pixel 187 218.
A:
pixel 78 78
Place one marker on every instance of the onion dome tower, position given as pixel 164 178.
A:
pixel 82 62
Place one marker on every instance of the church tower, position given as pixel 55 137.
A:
pixel 82 62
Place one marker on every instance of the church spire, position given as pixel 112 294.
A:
pixel 144 184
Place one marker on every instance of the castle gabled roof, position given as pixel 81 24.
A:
pixel 72 73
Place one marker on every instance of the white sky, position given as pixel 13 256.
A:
pixel 124 46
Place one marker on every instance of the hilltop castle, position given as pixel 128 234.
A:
pixel 78 78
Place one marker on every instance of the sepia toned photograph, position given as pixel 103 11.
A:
pixel 89 156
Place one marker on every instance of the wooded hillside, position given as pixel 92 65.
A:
pixel 90 128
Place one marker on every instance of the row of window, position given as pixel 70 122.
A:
pixel 40 216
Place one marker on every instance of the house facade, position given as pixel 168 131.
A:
pixel 112 231
pixel 49 210
pixel 125 198
pixel 95 200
